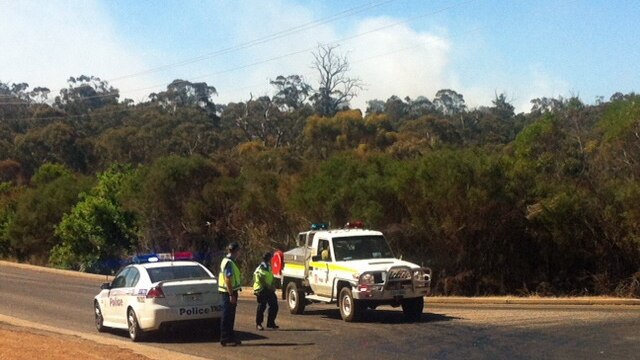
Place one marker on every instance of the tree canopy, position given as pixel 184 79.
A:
pixel 543 202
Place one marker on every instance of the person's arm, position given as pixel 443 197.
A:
pixel 228 281
pixel 260 279
pixel 272 285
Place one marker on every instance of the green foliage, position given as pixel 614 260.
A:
pixel 542 202
pixel 151 133
pixel 348 187
pixel 164 194
pixel 31 219
pixel 8 194
pixel 57 142
pixel 345 130
pixel 49 172
pixel 619 150
pixel 292 91
pixel 86 93
pixel 98 229
pixel 183 93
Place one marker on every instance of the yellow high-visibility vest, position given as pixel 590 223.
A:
pixel 262 277
pixel 237 277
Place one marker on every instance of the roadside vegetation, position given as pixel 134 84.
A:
pixel 544 202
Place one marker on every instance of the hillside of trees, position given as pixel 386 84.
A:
pixel 544 202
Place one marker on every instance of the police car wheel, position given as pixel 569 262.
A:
pixel 135 333
pixel 99 319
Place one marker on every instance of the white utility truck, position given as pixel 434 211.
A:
pixel 353 268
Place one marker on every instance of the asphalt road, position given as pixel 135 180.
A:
pixel 444 332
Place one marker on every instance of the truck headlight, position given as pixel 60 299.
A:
pixel 367 279
pixel 418 275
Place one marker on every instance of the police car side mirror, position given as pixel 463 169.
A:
pixel 105 286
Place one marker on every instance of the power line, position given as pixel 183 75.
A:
pixel 261 40
pixel 277 35
pixel 297 52
pixel 337 42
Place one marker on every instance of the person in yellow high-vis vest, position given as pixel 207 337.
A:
pixel 265 291
pixel 229 283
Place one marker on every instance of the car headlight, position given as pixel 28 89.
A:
pixel 367 279
pixel 418 275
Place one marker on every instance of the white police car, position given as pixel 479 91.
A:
pixel 156 292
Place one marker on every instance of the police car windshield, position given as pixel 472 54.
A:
pixel 176 273
pixel 361 247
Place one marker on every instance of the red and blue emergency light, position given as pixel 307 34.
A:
pixel 319 226
pixel 145 258
pixel 183 255
pixel 153 257
pixel 358 224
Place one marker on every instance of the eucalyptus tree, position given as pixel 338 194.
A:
pixel 335 87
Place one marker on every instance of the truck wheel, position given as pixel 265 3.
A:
pixel 350 309
pixel 412 308
pixel 295 299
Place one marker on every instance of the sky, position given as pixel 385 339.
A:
pixel 524 49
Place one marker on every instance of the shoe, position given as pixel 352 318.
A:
pixel 259 327
pixel 228 343
pixel 273 327
pixel 237 341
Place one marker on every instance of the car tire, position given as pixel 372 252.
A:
pixel 135 333
pixel 350 309
pixel 99 318
pixel 295 299
pixel 412 308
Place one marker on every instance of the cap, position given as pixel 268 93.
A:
pixel 233 246
pixel 267 256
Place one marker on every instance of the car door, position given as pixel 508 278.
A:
pixel 319 269
pixel 110 308
pixel 124 295
pixel 130 296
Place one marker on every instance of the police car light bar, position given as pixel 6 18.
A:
pixel 165 257
pixel 319 226
pixel 145 258
pixel 149 258
pixel 183 255
pixel 358 224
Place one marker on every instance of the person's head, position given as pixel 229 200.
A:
pixel 233 249
pixel 267 257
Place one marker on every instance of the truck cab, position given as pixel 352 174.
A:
pixel 353 268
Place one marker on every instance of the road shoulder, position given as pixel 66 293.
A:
pixel 144 351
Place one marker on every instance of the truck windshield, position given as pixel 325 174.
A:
pixel 361 247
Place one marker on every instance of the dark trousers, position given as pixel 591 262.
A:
pixel 228 318
pixel 267 297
